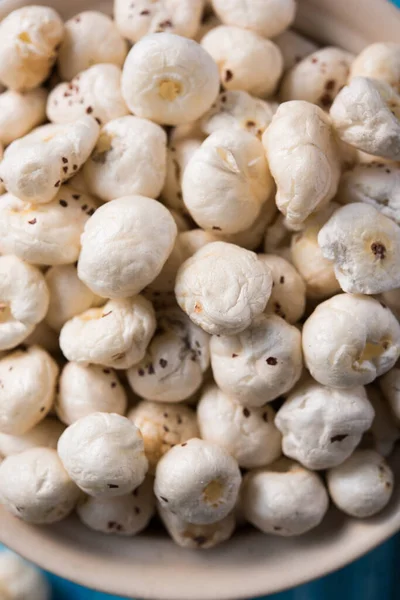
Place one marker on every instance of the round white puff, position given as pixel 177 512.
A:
pixel 364 246
pixel 194 239
pixel 169 79
pixel 198 481
pixel 24 299
pixel 20 113
pixel 35 487
pixel 175 360
pixel 379 61
pixel 90 38
pixel 163 426
pixel 43 335
pixel 277 238
pixel 252 237
pixel 28 379
pixel 19 580
pixel 121 515
pixel 104 454
pixel 390 386
pixel 44 435
pixel 260 363
pixel 362 485
pixel 129 158
pixel 294 47
pixel 226 181
pixel 246 61
pixel 86 390
pixel 115 335
pixel 321 426
pixel 223 288
pixel 350 340
pixel 29 37
pixel 284 499
pixel 34 166
pixel 384 431
pixel 45 234
pixel 288 294
pixel 303 158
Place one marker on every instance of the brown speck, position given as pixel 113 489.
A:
pixel 383 305
pixel 314 60
pixel 197 307
pixel 223 98
pixel 228 75
pixel 32 221
pixel 250 124
pixel 217 228
pixel 326 100
pixel 65 169
pixel 114 384
pixel 90 212
pixel 185 444
pixel 179 420
pixel 163 499
pixel 271 360
pixel 144 13
pixel 246 412
pixel 276 528
pixel 330 84
pixel 200 540
pixel 165 415
pixel 137 510
pixel 150 369
pixel 57 183
pixel 111 524
pixel 387 171
pixel 135 493
pixel 163 363
pixel 379 250
pixel 76 196
pixel 98 120
pixel 112 486
pixel 77 19
pixel 89 110
pixel 75 167
pixel 42 409
pixel 338 438
pixel 84 207
pixel 166 429
pixel 281 279
pixel 141 373
pixel 265 417
pixel 388 484
pixel 106 314
pixel 65 160
pixel 119 528
pixel 165 24
pixel 106 371
pixel 63 203
pixel 234 355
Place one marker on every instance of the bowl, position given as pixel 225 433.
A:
pixel 251 564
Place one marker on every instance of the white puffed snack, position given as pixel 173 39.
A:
pixel 303 158
pixel 84 390
pixel 249 435
pixel 24 299
pixel 392 300
pixel 294 47
pixel 227 181
pixel 366 115
pixel 104 454
pixel 198 481
pixel 178 155
pixel 90 38
pixel 169 79
pixel 223 288
pixel 266 17
pixel 362 485
pixel 19 580
pixel 20 113
pixel 115 335
pixel 350 340
pixel 390 386
pixel 277 237
pixel 43 335
pixel 364 246
pixel 260 363
pixel 129 158
pixel 288 294
pixel 252 237
pixel 194 239
pixel 34 166
pixel 28 379
pixel 284 499
pixel 384 431
pixel 35 487
pixel 246 61
pixel 29 37
pixel 125 246
pixel 379 61
pixel 321 426
pixel 44 435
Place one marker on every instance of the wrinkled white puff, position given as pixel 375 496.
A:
pixel 20 113
pixel 90 38
pixel 288 294
pixel 28 379
pixel 19 580
pixel 321 426
pixel 29 37
pixel 260 363
pixel 115 335
pixel 350 340
pixel 35 487
pixel 129 158
pixel 227 181
pixel 24 299
pixel 384 431
pixel 362 485
pixel 246 61
pixel 294 47
pixel 198 481
pixel 364 246
pixel 379 61
pixel 34 166
pixel 223 288
pixel 277 238
pixel 104 454
pixel 169 79
pixel 178 155
pixel 303 159
pixel 390 386
pixel 125 245
pixel 43 335
pixel 84 390
pixel 284 499
pixel 44 435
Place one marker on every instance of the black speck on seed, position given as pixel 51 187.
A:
pixel 223 98
pixel 137 510
pixel 330 84
pixel 200 540
pixel 112 486
pixel 387 171
pixel 281 279
pixel 32 221
pixel 228 75
pixel 163 499
pixel 90 212
pixel 165 24
pixel 163 363
pixel 144 13
pixel 338 438
pixel 185 444
pixel 246 412
pixel 63 203
pixel 141 373
pixel 65 160
pixel 84 207
pixel 57 183
pixel 179 420
pixel 271 360
pixel 65 169
pixel 379 250
pixel 166 429
pixel 150 369
pixel 265 417
pixel 234 355
pixel 217 228
pixel 135 492
pixel 89 110
pixel 114 384
pixel 76 196
pixel 42 409
pixel 98 120
pixel 75 167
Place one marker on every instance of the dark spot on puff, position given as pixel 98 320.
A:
pixel 112 486
pixel 271 360
pixel 228 75
pixel 163 363
pixel 63 203
pixel 246 412
pixel 379 250
pixel 338 438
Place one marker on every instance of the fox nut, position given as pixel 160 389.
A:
pixel 288 294
pixel 20 113
pixel 266 17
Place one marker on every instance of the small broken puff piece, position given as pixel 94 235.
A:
pixel 284 498
pixel 288 294
pixel 20 113
pixel 24 300
pixel 364 246
pixel 163 426
pixel 222 288
pixel 303 158
pixel 35 487
pixel 169 79
pixel 249 435
pixel 104 454
pixel 350 340
pixel 90 38
pixel 20 580
pixel 366 115
pixel 84 390
pixel 384 431
pixel 260 363
pixel 321 426
pixel 379 61
pixel 390 386
pixel 246 61
pixel 266 17
pixel 294 47
pixel 198 481
pixel 129 158
pixel 227 181
pixel 362 485
pixel 115 335
pixel 29 37
pixel 44 435
pixel 27 392
pixel 34 166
